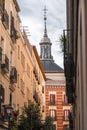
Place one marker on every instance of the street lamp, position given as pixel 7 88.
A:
pixel 9 110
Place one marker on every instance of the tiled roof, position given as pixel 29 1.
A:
pixel 50 66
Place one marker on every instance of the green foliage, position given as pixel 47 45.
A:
pixel 48 125
pixel 13 120
pixel 30 118
pixel 62 41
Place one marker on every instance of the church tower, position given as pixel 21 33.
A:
pixel 45 44
pixel 45 51
pixel 55 84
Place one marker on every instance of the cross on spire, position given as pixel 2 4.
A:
pixel 45 18
pixel 45 10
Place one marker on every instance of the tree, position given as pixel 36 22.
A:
pixel 30 118
pixel 48 125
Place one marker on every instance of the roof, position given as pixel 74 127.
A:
pixel 45 40
pixel 55 83
pixel 50 66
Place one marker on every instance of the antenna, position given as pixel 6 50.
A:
pixel 25 28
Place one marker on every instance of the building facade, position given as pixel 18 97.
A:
pixel 56 103
pixel 38 82
pixel 20 69
pixel 76 70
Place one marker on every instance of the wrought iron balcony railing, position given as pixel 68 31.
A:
pixel 13 75
pixel 35 96
pixel 5 19
pixel 1 93
pixel 68 54
pixel 69 66
pixel 0 54
pixel 36 75
pixel 13 34
pixel 70 90
pixel 5 64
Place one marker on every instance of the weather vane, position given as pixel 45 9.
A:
pixel 45 10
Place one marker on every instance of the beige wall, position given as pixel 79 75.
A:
pixel 21 56
pixel 38 86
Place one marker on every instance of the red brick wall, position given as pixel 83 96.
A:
pixel 59 107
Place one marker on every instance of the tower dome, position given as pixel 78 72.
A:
pixel 45 51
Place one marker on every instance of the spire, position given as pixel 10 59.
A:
pixel 45 18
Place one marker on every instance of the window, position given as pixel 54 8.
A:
pixel 52 99
pixel 64 99
pixel 53 114
pixel 66 114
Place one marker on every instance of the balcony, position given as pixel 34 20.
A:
pixel 42 89
pixel 68 66
pixel 0 54
pixel 70 98
pixel 69 86
pixel 5 19
pixel 43 108
pixel 1 93
pixel 36 97
pixel 70 90
pixel 12 87
pixel 65 121
pixel 36 75
pixel 13 34
pixel 13 75
pixel 5 64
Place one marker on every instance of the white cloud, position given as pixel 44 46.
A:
pixel 32 16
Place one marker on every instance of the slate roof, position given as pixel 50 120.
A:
pixel 50 66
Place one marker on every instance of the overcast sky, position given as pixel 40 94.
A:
pixel 31 15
